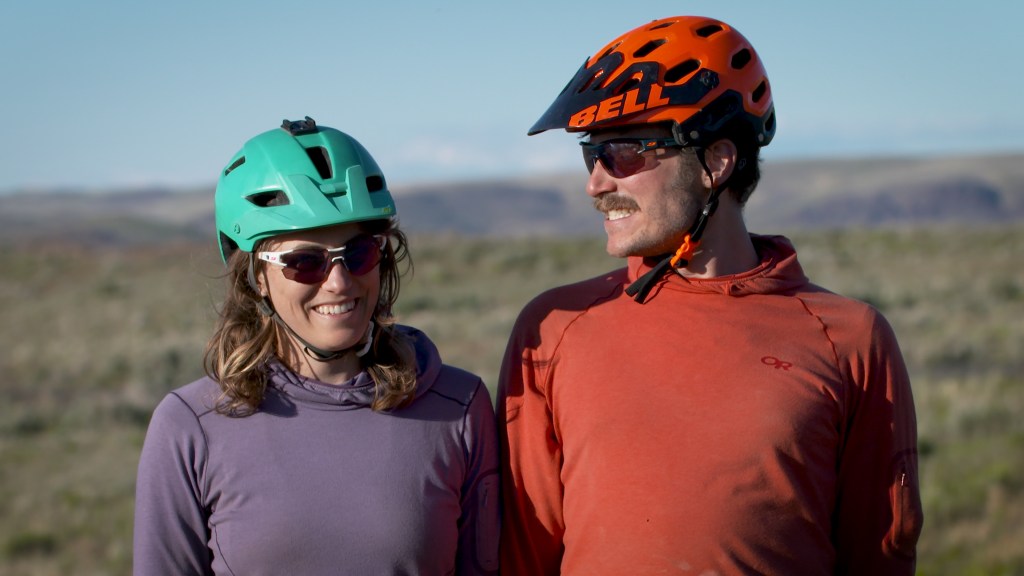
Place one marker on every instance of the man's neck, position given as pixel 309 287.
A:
pixel 726 248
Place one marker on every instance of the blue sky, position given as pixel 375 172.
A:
pixel 117 93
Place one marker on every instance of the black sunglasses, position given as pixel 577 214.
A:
pixel 311 265
pixel 623 157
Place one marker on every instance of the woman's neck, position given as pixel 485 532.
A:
pixel 336 371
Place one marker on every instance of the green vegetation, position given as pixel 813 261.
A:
pixel 91 339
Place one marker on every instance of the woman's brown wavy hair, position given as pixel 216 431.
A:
pixel 245 339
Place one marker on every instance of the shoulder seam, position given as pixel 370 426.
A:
pixel 825 331
pixel 206 440
pixel 840 373
pixel 465 413
pixel 452 398
pixel 561 337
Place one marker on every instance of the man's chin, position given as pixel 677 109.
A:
pixel 625 249
pixel 616 251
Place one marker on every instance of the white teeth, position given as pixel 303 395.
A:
pixel 617 214
pixel 336 309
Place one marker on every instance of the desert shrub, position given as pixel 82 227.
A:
pixel 92 343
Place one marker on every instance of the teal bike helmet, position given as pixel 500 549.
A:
pixel 297 177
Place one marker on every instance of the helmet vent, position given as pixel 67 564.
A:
pixel 740 59
pixel 269 198
pixel 234 165
pixel 681 70
pixel 590 81
pixel 227 245
pixel 709 30
pixel 610 50
pixel 759 91
pixel 374 183
pixel 318 155
pixel 662 25
pixel 769 124
pixel 648 48
pixel 628 85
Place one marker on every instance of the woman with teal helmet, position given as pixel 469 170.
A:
pixel 325 437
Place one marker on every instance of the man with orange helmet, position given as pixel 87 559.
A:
pixel 706 409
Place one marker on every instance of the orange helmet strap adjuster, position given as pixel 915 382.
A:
pixel 681 259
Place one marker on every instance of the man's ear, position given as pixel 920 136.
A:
pixel 721 160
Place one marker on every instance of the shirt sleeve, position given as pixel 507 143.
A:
pixel 480 521
pixel 171 531
pixel 878 511
pixel 533 525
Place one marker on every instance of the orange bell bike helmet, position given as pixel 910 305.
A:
pixel 699 74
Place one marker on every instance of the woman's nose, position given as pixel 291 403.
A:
pixel 338 276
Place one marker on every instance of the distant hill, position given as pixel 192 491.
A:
pixel 825 193
pixel 873 192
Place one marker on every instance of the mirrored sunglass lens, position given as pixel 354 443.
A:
pixel 306 266
pixel 361 255
pixel 588 158
pixel 622 158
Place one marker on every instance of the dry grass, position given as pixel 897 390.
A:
pixel 92 339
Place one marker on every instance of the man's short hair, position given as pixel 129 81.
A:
pixel 747 172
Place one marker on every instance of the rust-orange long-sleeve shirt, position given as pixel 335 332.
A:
pixel 753 423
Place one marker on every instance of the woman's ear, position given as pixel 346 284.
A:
pixel 258 280
pixel 721 160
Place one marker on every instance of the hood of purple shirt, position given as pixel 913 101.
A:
pixel 358 392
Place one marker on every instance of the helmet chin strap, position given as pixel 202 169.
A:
pixel 681 259
pixel 318 354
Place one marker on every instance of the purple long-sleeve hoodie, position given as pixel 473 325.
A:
pixel 316 482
